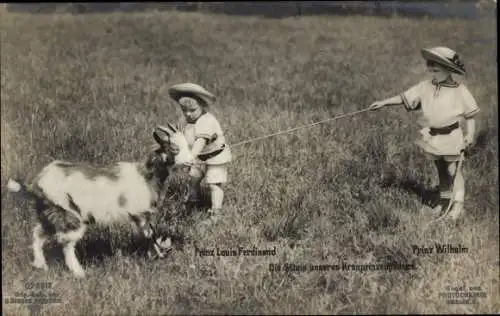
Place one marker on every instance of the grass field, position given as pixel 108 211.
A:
pixel 89 88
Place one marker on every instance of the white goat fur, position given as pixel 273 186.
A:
pixel 76 195
pixel 98 198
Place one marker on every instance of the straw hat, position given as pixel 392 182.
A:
pixel 190 90
pixel 445 57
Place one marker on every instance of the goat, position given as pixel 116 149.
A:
pixel 70 196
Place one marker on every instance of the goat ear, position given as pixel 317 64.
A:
pixel 162 135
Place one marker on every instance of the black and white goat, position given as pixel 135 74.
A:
pixel 69 196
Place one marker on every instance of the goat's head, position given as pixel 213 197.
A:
pixel 173 141
pixel 158 165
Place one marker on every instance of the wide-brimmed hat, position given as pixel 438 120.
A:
pixel 445 57
pixel 190 90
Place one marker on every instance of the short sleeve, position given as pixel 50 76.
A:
pixel 469 104
pixel 411 97
pixel 205 127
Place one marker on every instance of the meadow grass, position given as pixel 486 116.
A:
pixel 90 88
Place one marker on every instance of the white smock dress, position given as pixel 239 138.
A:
pixel 443 108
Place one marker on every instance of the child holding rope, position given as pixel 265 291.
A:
pixel 206 140
pixel 443 103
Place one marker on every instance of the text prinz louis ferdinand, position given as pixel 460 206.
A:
pixel 234 252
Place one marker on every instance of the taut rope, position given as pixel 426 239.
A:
pixel 297 128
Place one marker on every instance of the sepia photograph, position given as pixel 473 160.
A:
pixel 242 158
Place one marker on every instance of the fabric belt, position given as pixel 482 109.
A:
pixel 207 156
pixel 443 130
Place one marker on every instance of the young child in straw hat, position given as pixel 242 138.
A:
pixel 207 142
pixel 443 104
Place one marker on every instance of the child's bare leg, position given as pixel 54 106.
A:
pixel 216 177
pixel 217 196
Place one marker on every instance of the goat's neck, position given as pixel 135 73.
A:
pixel 156 182
pixel 152 177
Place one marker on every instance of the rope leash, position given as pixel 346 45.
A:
pixel 459 165
pixel 297 128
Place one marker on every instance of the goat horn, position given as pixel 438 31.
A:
pixel 165 129
pixel 159 139
pixel 172 127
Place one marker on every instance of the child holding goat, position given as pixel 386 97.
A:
pixel 207 142
pixel 443 103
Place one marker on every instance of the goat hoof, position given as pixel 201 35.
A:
pixel 40 265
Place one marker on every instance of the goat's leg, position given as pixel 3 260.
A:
pixel 69 241
pixel 39 238
pixel 72 261
pixel 146 228
pixel 162 195
pixel 143 223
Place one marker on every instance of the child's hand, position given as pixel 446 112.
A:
pixel 416 103
pixel 376 105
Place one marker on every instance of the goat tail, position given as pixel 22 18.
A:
pixel 17 186
pixel 33 193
